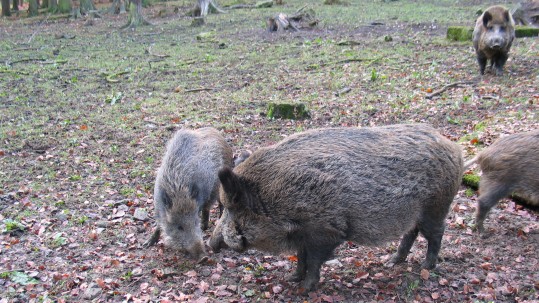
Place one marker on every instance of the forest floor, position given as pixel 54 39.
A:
pixel 86 110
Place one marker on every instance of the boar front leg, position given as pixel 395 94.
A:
pixel 314 258
pixel 154 238
pixel 301 269
pixel 482 60
pixel 405 246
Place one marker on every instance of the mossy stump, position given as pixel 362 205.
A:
pixel 297 111
pixel 526 31
pixel 264 4
pixel 459 33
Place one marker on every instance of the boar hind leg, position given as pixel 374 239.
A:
pixel 205 216
pixel 491 194
pixel 154 238
pixel 433 232
pixel 405 246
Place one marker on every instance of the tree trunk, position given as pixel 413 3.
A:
pixel 44 4
pixel 5 8
pixel 32 8
pixel 135 17
pixel 53 6
pixel 16 5
pixel 64 6
pixel 86 6
pixel 117 7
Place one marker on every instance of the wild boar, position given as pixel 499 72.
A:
pixel 186 186
pixel 314 190
pixel 493 36
pixel 509 166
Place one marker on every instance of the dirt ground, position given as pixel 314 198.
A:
pixel 87 109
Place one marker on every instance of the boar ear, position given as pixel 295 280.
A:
pixel 486 18
pixel 231 185
pixel 506 16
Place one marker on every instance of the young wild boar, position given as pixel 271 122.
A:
pixel 314 190
pixel 492 38
pixel 510 165
pixel 186 185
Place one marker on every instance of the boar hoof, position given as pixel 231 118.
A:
pixel 153 239
pixel 428 265
pixel 395 259
pixel 295 277
pixel 307 286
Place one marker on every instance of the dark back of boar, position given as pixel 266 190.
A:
pixel 317 189
pixel 186 185
pixel 492 38
pixel 510 165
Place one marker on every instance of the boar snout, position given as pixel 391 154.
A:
pixel 197 251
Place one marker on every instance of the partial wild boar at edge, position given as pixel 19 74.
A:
pixel 314 190
pixel 510 165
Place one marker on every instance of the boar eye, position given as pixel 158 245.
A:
pixel 180 228
pixel 489 28
pixel 502 28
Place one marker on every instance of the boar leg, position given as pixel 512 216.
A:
pixel 154 238
pixel 301 269
pixel 499 62
pixel 433 232
pixel 491 194
pixel 204 218
pixel 405 246
pixel 482 60
pixel 315 257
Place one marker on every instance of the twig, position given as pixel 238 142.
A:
pixel 110 77
pixel 198 89
pixel 443 89
pixel 38 27
pixel 157 55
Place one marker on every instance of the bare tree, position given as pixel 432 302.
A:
pixel 5 8
pixel 32 8
pixel 135 17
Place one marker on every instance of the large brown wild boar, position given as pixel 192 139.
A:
pixel 492 38
pixel 510 165
pixel 186 186
pixel 314 190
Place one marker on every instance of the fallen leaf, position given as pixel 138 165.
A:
pixel 425 274
pixel 293 258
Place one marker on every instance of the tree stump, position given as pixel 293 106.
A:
pixel 303 18
pixel 295 111
pixel 459 33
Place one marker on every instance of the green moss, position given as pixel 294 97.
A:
pixel 459 33
pixel 526 31
pixel 471 180
pixel 288 111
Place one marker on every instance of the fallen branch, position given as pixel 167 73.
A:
pixel 111 77
pixel 448 86
pixel 26 60
pixel 15 72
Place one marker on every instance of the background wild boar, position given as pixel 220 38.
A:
pixel 187 185
pixel 510 165
pixel 314 190
pixel 492 38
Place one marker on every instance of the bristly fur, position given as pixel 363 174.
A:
pixel 493 36
pixel 317 189
pixel 509 166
